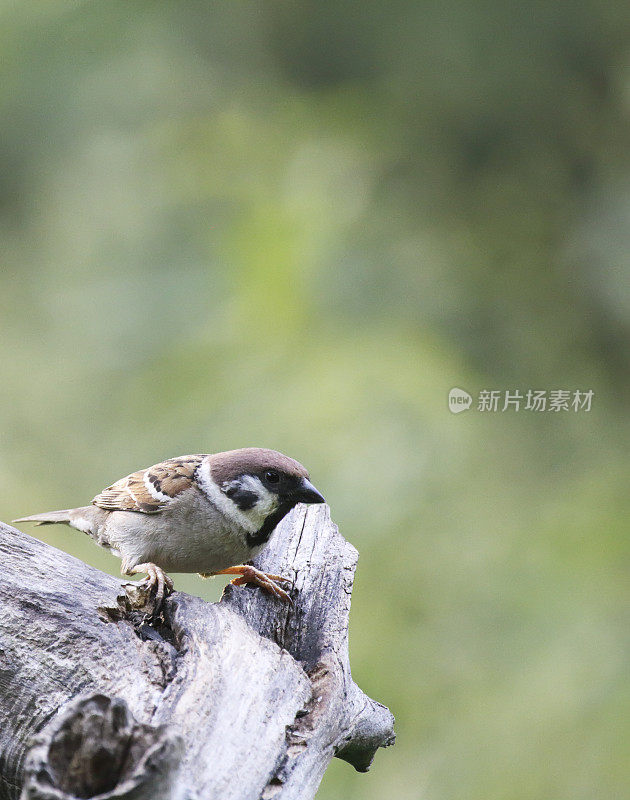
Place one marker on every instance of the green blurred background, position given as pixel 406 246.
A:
pixel 298 225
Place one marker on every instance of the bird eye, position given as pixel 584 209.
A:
pixel 271 476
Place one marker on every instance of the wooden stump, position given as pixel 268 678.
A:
pixel 245 698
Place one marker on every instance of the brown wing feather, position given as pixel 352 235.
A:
pixel 167 480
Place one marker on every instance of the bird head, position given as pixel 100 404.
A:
pixel 261 485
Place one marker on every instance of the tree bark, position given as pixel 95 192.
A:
pixel 245 698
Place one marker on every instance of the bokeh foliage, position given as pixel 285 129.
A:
pixel 298 225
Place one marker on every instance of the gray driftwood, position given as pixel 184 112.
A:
pixel 245 698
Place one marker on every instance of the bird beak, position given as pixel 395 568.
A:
pixel 307 493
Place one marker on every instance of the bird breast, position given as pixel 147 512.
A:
pixel 190 535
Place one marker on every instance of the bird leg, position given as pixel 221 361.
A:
pixel 157 581
pixel 248 574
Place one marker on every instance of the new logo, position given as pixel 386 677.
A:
pixel 459 400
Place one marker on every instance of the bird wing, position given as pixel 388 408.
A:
pixel 150 490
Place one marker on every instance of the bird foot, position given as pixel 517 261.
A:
pixel 157 584
pixel 267 582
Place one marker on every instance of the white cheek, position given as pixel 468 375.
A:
pixel 252 519
pixel 267 501
pixel 221 501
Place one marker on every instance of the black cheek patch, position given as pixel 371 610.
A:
pixel 243 498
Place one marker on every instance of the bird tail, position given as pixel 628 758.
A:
pixel 49 518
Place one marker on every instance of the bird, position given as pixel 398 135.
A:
pixel 204 513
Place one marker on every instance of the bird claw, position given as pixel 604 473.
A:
pixel 157 585
pixel 266 581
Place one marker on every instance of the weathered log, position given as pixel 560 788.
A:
pixel 245 698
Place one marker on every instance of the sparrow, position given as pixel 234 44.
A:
pixel 199 513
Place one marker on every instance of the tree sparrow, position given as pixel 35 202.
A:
pixel 201 513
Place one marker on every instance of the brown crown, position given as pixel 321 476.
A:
pixel 229 465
